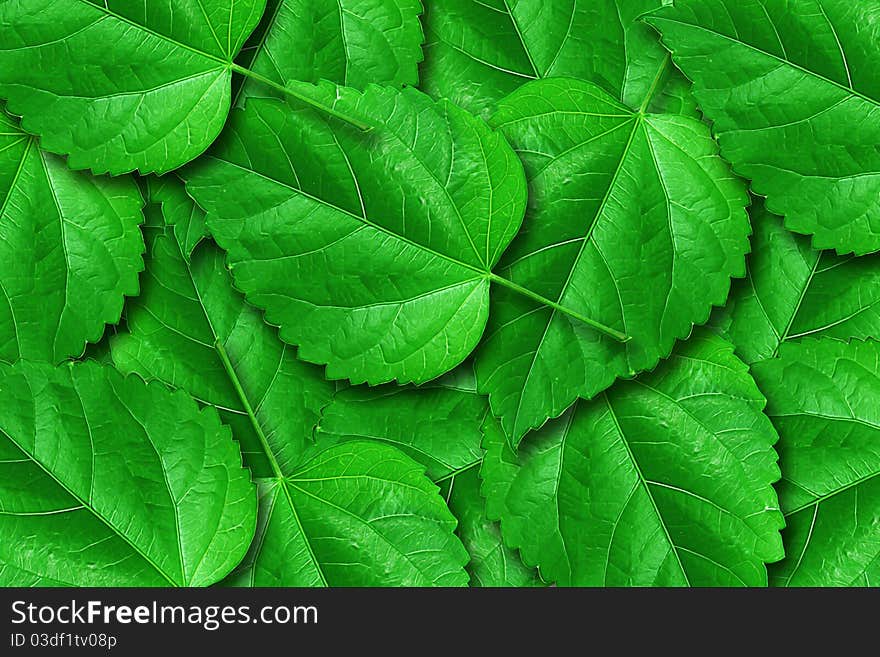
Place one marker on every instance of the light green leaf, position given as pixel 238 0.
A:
pixel 107 481
pixel 357 514
pixel 823 396
pixel 633 221
pixel 189 323
pixel 70 250
pixel 192 330
pixel 661 481
pixel 477 52
pixel 793 91
pixel 120 85
pixel 350 42
pixel 371 251
pixel 793 291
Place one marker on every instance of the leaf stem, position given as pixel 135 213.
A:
pixel 241 70
pixel 264 442
pixel 607 330
pixel 655 85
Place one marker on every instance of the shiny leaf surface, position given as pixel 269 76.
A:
pixel 793 291
pixel 371 251
pixel 633 221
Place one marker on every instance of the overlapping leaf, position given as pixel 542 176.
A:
pixel 371 251
pixel 793 90
pixel 352 514
pixel 478 52
pixel 824 398
pixel 350 42
pixel 188 325
pixel 438 425
pixel 661 481
pixel 793 291
pixel 492 563
pixel 120 85
pixel 109 482
pixel 70 250
pixel 634 221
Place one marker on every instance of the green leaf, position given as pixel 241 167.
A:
pixel 793 291
pixel 107 481
pixel 186 307
pixel 478 52
pixel 70 250
pixel 120 85
pixel 193 331
pixel 438 425
pixel 633 221
pixel 661 481
pixel 492 563
pixel 793 91
pixel 357 514
pixel 350 42
pixel 385 272
pixel 822 396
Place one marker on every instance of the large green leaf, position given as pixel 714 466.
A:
pixel 350 42
pixel 661 481
pixel 189 324
pixel 633 221
pixel 793 90
pixel 107 481
pixel 478 51
pixel 824 398
pixel 123 84
pixel 793 291
pixel 353 515
pixel 371 251
pixel 438 425
pixel 70 250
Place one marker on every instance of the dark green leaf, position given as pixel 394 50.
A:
pixel 477 52
pixel 350 42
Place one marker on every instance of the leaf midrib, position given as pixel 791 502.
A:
pixel 644 482
pixel 827 496
pixel 249 411
pixel 637 123
pixel 783 60
pixel 85 505
pixel 291 482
